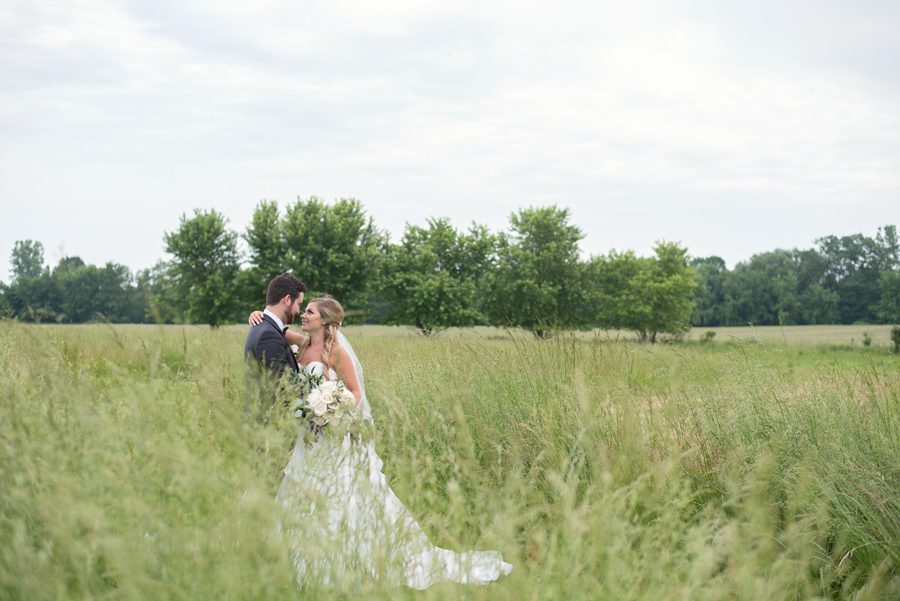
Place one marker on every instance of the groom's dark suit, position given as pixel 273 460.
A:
pixel 267 344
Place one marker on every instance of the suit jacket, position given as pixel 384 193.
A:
pixel 266 344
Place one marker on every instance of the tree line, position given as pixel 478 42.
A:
pixel 842 280
pixel 532 275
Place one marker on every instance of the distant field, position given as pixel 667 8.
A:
pixel 813 335
pixel 798 335
pixel 851 335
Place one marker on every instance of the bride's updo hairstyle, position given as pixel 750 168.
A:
pixel 332 315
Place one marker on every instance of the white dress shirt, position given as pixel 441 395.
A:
pixel 276 319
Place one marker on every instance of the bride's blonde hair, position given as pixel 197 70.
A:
pixel 332 315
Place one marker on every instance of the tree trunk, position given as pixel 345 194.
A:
pixel 426 331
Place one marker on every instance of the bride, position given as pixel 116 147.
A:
pixel 342 521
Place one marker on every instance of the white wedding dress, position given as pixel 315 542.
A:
pixel 345 525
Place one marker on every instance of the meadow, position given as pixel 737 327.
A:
pixel 833 336
pixel 139 462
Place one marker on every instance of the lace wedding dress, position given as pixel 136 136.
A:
pixel 346 526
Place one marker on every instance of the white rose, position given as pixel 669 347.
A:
pixel 317 402
pixel 328 387
pixel 320 408
pixel 347 397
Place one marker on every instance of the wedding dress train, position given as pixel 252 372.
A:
pixel 344 523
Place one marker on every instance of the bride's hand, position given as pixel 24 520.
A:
pixel 255 318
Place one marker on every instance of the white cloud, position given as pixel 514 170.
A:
pixel 650 120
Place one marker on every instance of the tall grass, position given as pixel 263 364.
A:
pixel 139 462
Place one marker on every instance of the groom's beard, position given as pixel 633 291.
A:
pixel 288 318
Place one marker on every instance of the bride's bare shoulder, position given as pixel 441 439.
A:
pixel 338 352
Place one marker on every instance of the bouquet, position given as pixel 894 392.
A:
pixel 304 384
pixel 327 403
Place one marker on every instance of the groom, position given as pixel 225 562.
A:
pixel 266 342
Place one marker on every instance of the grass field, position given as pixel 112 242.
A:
pixel 803 335
pixel 850 336
pixel 137 463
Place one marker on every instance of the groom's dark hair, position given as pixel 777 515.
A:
pixel 281 286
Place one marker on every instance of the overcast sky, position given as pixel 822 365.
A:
pixel 732 127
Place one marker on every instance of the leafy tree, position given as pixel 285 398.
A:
pixel 333 248
pixel 87 292
pixel 811 267
pixel 268 251
pixel 432 277
pixel 888 306
pixel 124 302
pixel 157 294
pixel 204 267
pixel 6 310
pixel 31 295
pixel 617 280
pixel 34 298
pixel 762 291
pixel 265 239
pixel 854 266
pixel 709 296
pixel 647 295
pixel 479 255
pixel 27 259
pixel 539 282
pixel 887 244
pixel 121 299
pixel 817 305
pixel 887 309
pixel 669 288
pixel 78 294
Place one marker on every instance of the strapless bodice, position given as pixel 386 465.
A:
pixel 317 368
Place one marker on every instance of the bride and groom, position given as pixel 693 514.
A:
pixel 342 521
